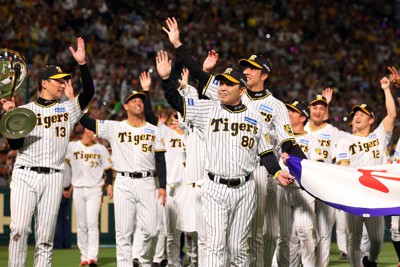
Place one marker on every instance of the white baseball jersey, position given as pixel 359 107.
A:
pixel 243 132
pixel 55 123
pixel 396 155
pixel 364 150
pixel 174 155
pixel 88 163
pixel 128 143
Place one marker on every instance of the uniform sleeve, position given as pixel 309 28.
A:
pixel 159 142
pixel 74 111
pixel 106 158
pixel 397 151
pixel 197 111
pixel 281 124
pixel 104 128
pixel 264 143
pixel 343 151
pixel 211 89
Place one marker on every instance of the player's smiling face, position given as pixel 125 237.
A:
pixel 53 89
pixel 317 113
pixel 361 121
pixel 230 93
pixel 255 76
pixel 135 106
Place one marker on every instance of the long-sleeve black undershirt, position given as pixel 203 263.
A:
pixel 270 162
pixel 172 95
pixel 83 98
pixel 148 110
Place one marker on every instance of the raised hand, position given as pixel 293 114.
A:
pixel 211 61
pixel 145 80
pixel 69 90
pixel 164 65
pixel 172 31
pixel 327 93
pixel 79 54
pixel 185 78
pixel 385 83
pixel 394 76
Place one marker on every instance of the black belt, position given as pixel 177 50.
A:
pixel 228 182
pixel 39 169
pixel 137 174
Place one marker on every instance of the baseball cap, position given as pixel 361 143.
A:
pixel 258 61
pixel 52 72
pixel 134 94
pixel 319 98
pixel 234 75
pixel 299 107
pixel 364 108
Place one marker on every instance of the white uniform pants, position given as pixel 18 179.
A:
pixel 87 202
pixel 228 212
pixel 325 218
pixel 38 195
pixel 135 204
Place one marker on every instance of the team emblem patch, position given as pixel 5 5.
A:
pixel 60 110
pixel 250 120
pixel 266 108
pixel 288 129
pixel 268 138
pixel 342 156
pixel 147 130
pixel 190 102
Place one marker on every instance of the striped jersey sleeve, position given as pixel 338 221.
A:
pixel 211 88
pixel 197 111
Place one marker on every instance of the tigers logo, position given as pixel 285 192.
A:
pixel 371 180
pixel 288 129
pixel 268 138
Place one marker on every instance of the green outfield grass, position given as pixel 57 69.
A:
pixel 70 257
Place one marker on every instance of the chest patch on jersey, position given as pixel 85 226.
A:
pixel 372 136
pixel 190 101
pixel 60 110
pixel 266 108
pixel 147 130
pixel 96 151
pixel 342 156
pixel 250 120
pixel 304 142
pixel 325 136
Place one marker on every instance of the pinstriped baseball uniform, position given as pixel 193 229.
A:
pixel 327 137
pixel 232 140
pixel 194 174
pixel 265 225
pixel 296 215
pixel 364 151
pixel 395 220
pixel 174 158
pixel 135 199
pixel 88 164
pixel 34 193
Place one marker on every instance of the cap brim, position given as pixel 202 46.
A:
pixel 139 94
pixel 356 108
pixel 17 123
pixel 318 100
pixel 244 62
pixel 60 76
pixel 228 77
pixel 294 108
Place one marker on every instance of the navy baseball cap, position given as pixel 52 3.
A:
pixel 319 99
pixel 234 75
pixel 364 108
pixel 52 72
pixel 258 61
pixel 134 94
pixel 299 107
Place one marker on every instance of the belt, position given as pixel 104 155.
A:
pixel 229 182
pixel 39 169
pixel 137 174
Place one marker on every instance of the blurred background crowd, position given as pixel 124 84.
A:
pixel 312 44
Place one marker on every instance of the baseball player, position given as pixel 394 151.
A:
pixel 257 97
pixel 174 158
pixel 395 225
pixel 137 152
pixel 234 136
pixel 327 136
pixel 297 207
pixel 364 148
pixel 89 160
pixel 37 179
